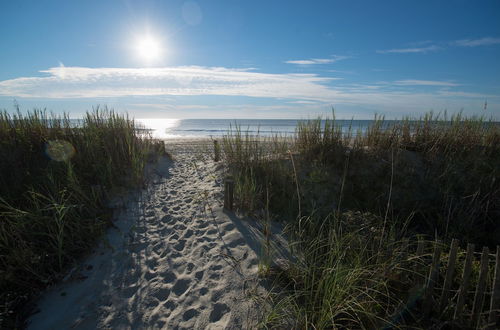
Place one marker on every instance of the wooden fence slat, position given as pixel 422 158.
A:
pixel 420 246
pixel 493 317
pixel 449 274
pixel 228 193
pixel 418 259
pixel 465 282
pixel 481 285
pixel 431 282
pixel 216 151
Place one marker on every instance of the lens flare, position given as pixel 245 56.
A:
pixel 59 150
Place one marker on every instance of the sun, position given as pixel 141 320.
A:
pixel 149 48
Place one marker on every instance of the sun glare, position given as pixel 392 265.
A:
pixel 149 49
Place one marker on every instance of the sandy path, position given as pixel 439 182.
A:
pixel 174 261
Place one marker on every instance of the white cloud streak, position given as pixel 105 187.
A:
pixel 91 83
pixel 428 49
pixel 433 48
pixel 414 82
pixel 314 61
pixel 477 42
pixel 466 94
pixel 80 82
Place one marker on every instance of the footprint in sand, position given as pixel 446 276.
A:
pixel 150 275
pixel 158 248
pixel 189 314
pixel 152 303
pixel 214 276
pixel 169 277
pixel 202 239
pixel 162 294
pixel 188 233
pixel 180 227
pixel 180 245
pixel 211 232
pixel 237 242
pixel 216 295
pixel 166 218
pixel 215 268
pixel 190 267
pixel 228 227
pixel 174 237
pixel 202 224
pixel 199 275
pixel 170 304
pixel 218 312
pixel 181 286
pixel 152 263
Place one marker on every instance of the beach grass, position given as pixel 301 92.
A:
pixel 57 179
pixel 435 176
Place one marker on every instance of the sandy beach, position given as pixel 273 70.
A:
pixel 174 259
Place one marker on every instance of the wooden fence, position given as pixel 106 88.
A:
pixel 464 285
pixel 444 289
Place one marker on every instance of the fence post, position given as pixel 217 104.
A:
pixel 450 269
pixel 420 246
pixel 465 282
pixel 419 260
pixel 433 274
pixel 228 193
pixel 216 151
pixel 495 295
pixel 481 285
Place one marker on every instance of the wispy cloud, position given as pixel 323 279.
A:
pixel 342 71
pixel 303 102
pixel 81 82
pixel 441 46
pixel 196 81
pixel 427 49
pixel 313 61
pixel 466 94
pixel 414 82
pixel 477 42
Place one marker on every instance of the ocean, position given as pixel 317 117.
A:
pixel 204 128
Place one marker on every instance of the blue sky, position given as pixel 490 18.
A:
pixel 252 59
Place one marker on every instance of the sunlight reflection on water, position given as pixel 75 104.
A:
pixel 159 126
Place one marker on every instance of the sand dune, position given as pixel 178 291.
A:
pixel 173 260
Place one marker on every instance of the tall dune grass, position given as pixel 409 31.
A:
pixel 56 178
pixel 433 176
